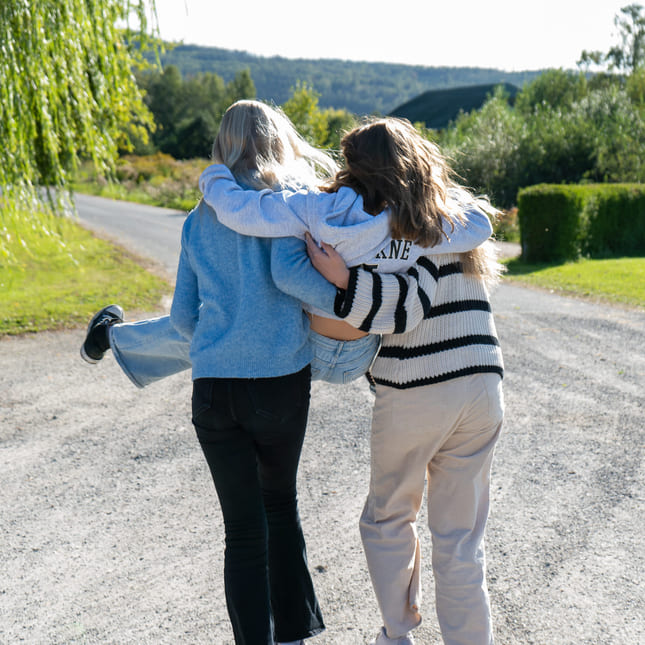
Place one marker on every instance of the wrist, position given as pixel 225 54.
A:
pixel 343 280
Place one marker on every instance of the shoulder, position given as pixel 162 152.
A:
pixel 347 194
pixel 201 217
pixel 343 195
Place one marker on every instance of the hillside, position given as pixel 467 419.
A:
pixel 437 108
pixel 360 87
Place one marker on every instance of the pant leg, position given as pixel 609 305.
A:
pixel 409 428
pixel 401 446
pixel 342 361
pixel 229 450
pixel 458 503
pixel 251 431
pixel 149 350
pixel 281 406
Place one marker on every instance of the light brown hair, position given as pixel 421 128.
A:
pixel 392 166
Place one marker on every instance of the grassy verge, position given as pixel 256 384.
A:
pixel 157 180
pixel 58 278
pixel 617 280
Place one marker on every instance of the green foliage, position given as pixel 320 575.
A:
pixel 635 88
pixel 615 215
pixel 560 222
pixel 302 109
pixel 561 129
pixel 66 87
pixel 66 92
pixel 484 148
pixel 551 222
pixel 187 112
pixel 554 89
pixel 158 180
pixel 241 87
pixel 629 55
pixel 616 127
pixel 339 122
pixel 555 145
pixel 322 128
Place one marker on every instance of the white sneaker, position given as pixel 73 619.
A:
pixel 384 639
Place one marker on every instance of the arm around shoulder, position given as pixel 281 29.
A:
pixel 388 303
pixel 466 236
pixel 262 213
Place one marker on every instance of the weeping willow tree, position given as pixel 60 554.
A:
pixel 67 92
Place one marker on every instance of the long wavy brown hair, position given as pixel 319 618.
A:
pixel 391 165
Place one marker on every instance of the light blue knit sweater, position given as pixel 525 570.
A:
pixel 228 304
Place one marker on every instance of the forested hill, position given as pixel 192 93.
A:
pixel 360 87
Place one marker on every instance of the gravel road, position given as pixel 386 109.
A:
pixel 110 531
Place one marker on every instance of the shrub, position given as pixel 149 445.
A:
pixel 560 222
pixel 616 220
pixel 551 226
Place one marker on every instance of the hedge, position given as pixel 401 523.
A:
pixel 565 222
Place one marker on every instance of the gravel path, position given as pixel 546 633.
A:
pixel 110 531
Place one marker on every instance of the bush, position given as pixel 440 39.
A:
pixel 559 222
pixel 616 221
pixel 561 129
pixel 551 226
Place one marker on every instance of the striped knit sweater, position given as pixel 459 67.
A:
pixel 437 322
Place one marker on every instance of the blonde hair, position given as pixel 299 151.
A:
pixel 392 166
pixel 261 147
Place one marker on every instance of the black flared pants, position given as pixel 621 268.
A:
pixel 251 432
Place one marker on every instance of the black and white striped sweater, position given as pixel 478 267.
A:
pixel 436 322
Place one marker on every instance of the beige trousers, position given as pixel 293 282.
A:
pixel 445 434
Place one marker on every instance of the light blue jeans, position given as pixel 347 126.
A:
pixel 149 350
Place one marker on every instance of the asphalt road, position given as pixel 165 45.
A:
pixel 110 532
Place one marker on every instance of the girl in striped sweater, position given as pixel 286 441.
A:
pixel 439 404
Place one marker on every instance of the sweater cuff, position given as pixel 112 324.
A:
pixel 345 297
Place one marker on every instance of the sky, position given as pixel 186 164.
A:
pixel 511 35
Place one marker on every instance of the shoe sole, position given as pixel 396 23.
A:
pixel 117 311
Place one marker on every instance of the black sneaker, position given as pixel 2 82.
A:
pixel 96 341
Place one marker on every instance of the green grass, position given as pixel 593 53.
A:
pixel 156 180
pixel 58 278
pixel 617 280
